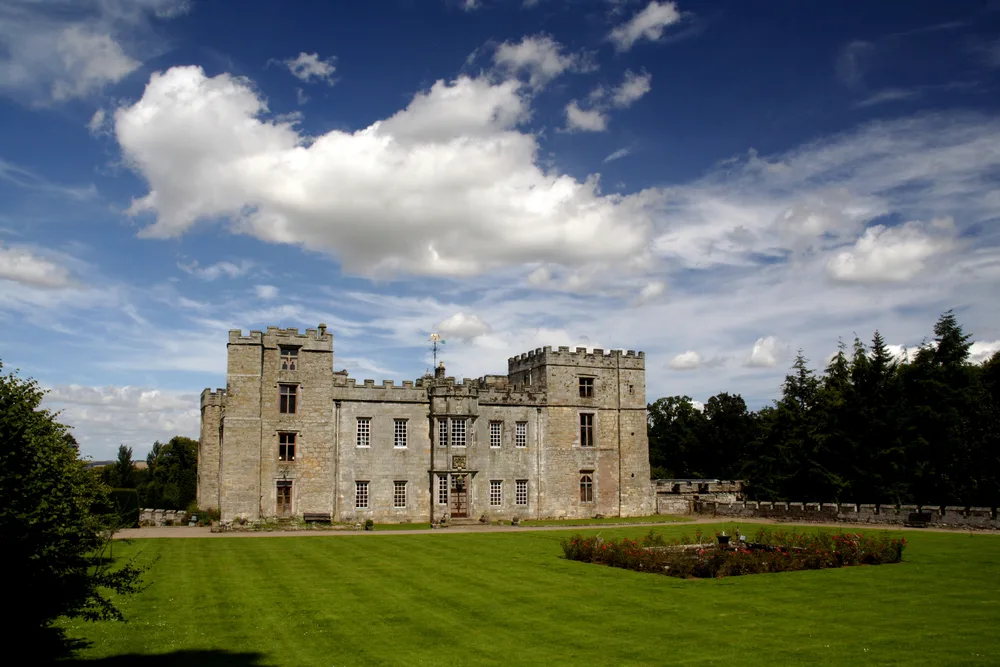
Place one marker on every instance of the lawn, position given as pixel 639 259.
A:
pixel 608 520
pixel 511 599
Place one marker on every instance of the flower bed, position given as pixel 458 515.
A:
pixel 767 551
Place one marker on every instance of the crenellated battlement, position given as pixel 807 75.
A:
pixel 236 337
pixel 349 389
pixel 317 340
pixel 564 356
pixel 210 397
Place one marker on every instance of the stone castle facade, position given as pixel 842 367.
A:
pixel 563 434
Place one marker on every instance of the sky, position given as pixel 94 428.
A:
pixel 718 184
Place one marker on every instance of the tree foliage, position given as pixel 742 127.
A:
pixel 868 429
pixel 55 526
pixel 170 480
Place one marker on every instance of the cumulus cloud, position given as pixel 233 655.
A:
pixel 266 292
pixel 685 361
pixel 981 350
pixel 652 291
pixel 647 24
pixel 891 254
pixel 766 353
pixel 217 270
pixel 631 89
pixel 585 120
pixel 539 56
pixel 447 186
pixel 309 67
pixel 102 417
pixel 60 50
pixel 20 265
pixel 463 326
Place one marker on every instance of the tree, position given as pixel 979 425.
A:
pixel 171 479
pixel 122 473
pixel 675 438
pixel 54 525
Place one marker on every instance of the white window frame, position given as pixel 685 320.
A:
pixel 399 491
pixel 399 432
pixel 361 490
pixel 363 437
pixel 496 493
pixel 521 435
pixel 442 497
pixel 442 432
pixel 496 434
pixel 459 436
pixel 521 493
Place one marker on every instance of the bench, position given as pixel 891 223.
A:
pixel 317 517
pixel 918 520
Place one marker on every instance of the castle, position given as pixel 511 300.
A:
pixel 563 434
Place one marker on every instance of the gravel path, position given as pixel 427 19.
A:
pixel 195 531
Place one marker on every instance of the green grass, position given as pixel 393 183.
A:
pixel 511 599
pixel 402 526
pixel 610 520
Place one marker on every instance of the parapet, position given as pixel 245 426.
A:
pixel 349 389
pixel 209 397
pixel 563 356
pixel 317 340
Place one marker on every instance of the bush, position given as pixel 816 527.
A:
pixel 766 552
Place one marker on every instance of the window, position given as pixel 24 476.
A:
pixel 458 432
pixel 586 429
pixel 443 432
pixel 361 495
pixel 286 446
pixel 496 493
pixel 586 387
pixel 496 430
pixel 631 389
pixel 399 432
pixel 521 492
pixel 587 486
pixel 364 431
pixel 442 489
pixel 286 402
pixel 398 494
pixel 289 358
pixel 521 434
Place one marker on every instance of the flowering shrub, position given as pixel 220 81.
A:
pixel 767 551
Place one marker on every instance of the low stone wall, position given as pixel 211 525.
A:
pixel 977 518
pixel 151 517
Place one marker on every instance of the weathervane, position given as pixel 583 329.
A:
pixel 435 339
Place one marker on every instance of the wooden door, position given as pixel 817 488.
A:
pixel 283 504
pixel 459 500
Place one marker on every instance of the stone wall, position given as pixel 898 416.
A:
pixel 980 518
pixel 153 517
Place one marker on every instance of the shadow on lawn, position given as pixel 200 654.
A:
pixel 186 658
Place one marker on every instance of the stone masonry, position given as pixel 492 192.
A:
pixel 563 434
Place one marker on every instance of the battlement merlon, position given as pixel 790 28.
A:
pixel 209 397
pixel 349 389
pixel 313 340
pixel 563 356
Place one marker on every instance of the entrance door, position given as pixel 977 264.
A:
pixel 284 499
pixel 459 505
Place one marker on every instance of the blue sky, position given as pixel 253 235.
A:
pixel 718 184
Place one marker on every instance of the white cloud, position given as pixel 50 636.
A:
pixel 685 361
pixel 22 266
pixel 631 89
pixel 767 352
pixel 652 291
pixel 981 351
pixel 309 67
pixel 540 56
pixel 540 276
pixel 585 120
pixel 447 186
pixel 300 96
pixel 217 270
pixel 266 292
pixel 102 417
pixel 618 154
pixel 647 24
pixel 463 326
pixel 98 123
pixel 60 50
pixel 891 254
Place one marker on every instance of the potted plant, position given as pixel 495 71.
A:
pixel 516 521
pixel 723 538
pixel 369 524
